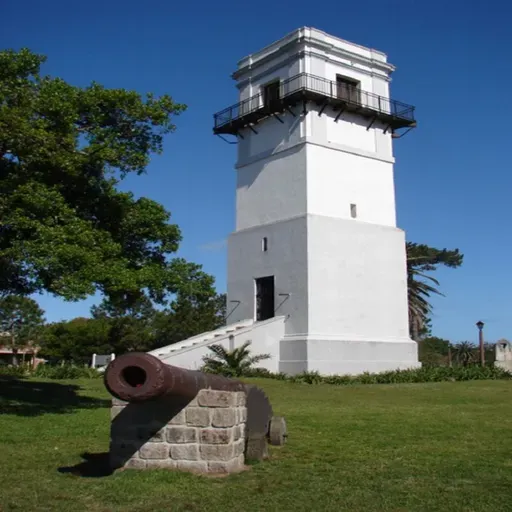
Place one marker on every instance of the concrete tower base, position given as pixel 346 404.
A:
pixel 345 357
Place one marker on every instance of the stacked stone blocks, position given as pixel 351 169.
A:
pixel 205 435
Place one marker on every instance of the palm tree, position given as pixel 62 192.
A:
pixel 232 363
pixel 418 294
pixel 464 352
pixel 420 285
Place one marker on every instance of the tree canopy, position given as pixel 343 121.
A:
pixel 140 327
pixel 188 316
pixel 65 228
pixel 21 322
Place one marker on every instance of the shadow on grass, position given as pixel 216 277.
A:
pixel 32 398
pixel 94 465
pixel 133 427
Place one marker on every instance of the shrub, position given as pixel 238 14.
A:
pixel 46 371
pixel 14 371
pixel 67 371
pixel 427 373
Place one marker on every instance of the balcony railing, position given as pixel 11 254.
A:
pixel 309 87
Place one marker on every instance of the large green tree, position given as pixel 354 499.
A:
pixel 187 316
pixel 433 350
pixel 138 327
pixel 65 227
pixel 76 340
pixel 421 261
pixel 21 322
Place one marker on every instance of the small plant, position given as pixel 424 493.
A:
pixel 232 363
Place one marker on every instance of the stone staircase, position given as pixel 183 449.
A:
pixel 264 336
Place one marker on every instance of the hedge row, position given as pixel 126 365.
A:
pixel 423 374
pixel 67 371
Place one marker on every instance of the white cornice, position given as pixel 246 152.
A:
pixel 304 41
pixel 292 58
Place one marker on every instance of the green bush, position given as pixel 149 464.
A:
pixel 14 371
pixel 46 371
pixel 264 373
pixel 427 373
pixel 67 371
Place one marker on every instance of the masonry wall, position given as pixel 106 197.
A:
pixel 205 435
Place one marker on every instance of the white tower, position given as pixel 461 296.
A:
pixel 316 237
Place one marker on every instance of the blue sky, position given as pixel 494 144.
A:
pixel 453 173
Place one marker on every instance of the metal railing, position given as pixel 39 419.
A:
pixel 305 82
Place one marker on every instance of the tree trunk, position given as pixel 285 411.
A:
pixel 15 361
pixel 415 331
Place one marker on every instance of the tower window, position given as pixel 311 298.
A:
pixel 264 244
pixel 353 210
pixel 271 94
pixel 347 89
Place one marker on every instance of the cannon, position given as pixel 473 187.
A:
pixel 139 377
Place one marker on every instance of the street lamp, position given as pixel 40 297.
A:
pixel 480 326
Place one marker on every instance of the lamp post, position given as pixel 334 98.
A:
pixel 480 326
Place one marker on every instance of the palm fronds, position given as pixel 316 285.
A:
pixel 231 362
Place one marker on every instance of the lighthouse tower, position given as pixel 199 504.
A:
pixel 316 240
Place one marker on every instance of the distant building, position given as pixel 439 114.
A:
pixel 27 355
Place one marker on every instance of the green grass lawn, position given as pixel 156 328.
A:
pixel 416 447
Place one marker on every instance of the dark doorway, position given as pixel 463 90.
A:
pixel 264 298
pixel 271 94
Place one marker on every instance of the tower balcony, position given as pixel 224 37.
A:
pixel 341 95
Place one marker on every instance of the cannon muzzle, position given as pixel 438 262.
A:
pixel 138 376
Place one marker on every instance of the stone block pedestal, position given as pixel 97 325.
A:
pixel 205 435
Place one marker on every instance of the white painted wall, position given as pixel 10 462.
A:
pixel 350 132
pixel 357 284
pixel 340 357
pixel 286 259
pixel 271 189
pixel 273 184
pixel 273 136
pixel 337 179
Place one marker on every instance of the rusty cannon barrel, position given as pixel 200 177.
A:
pixel 138 376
